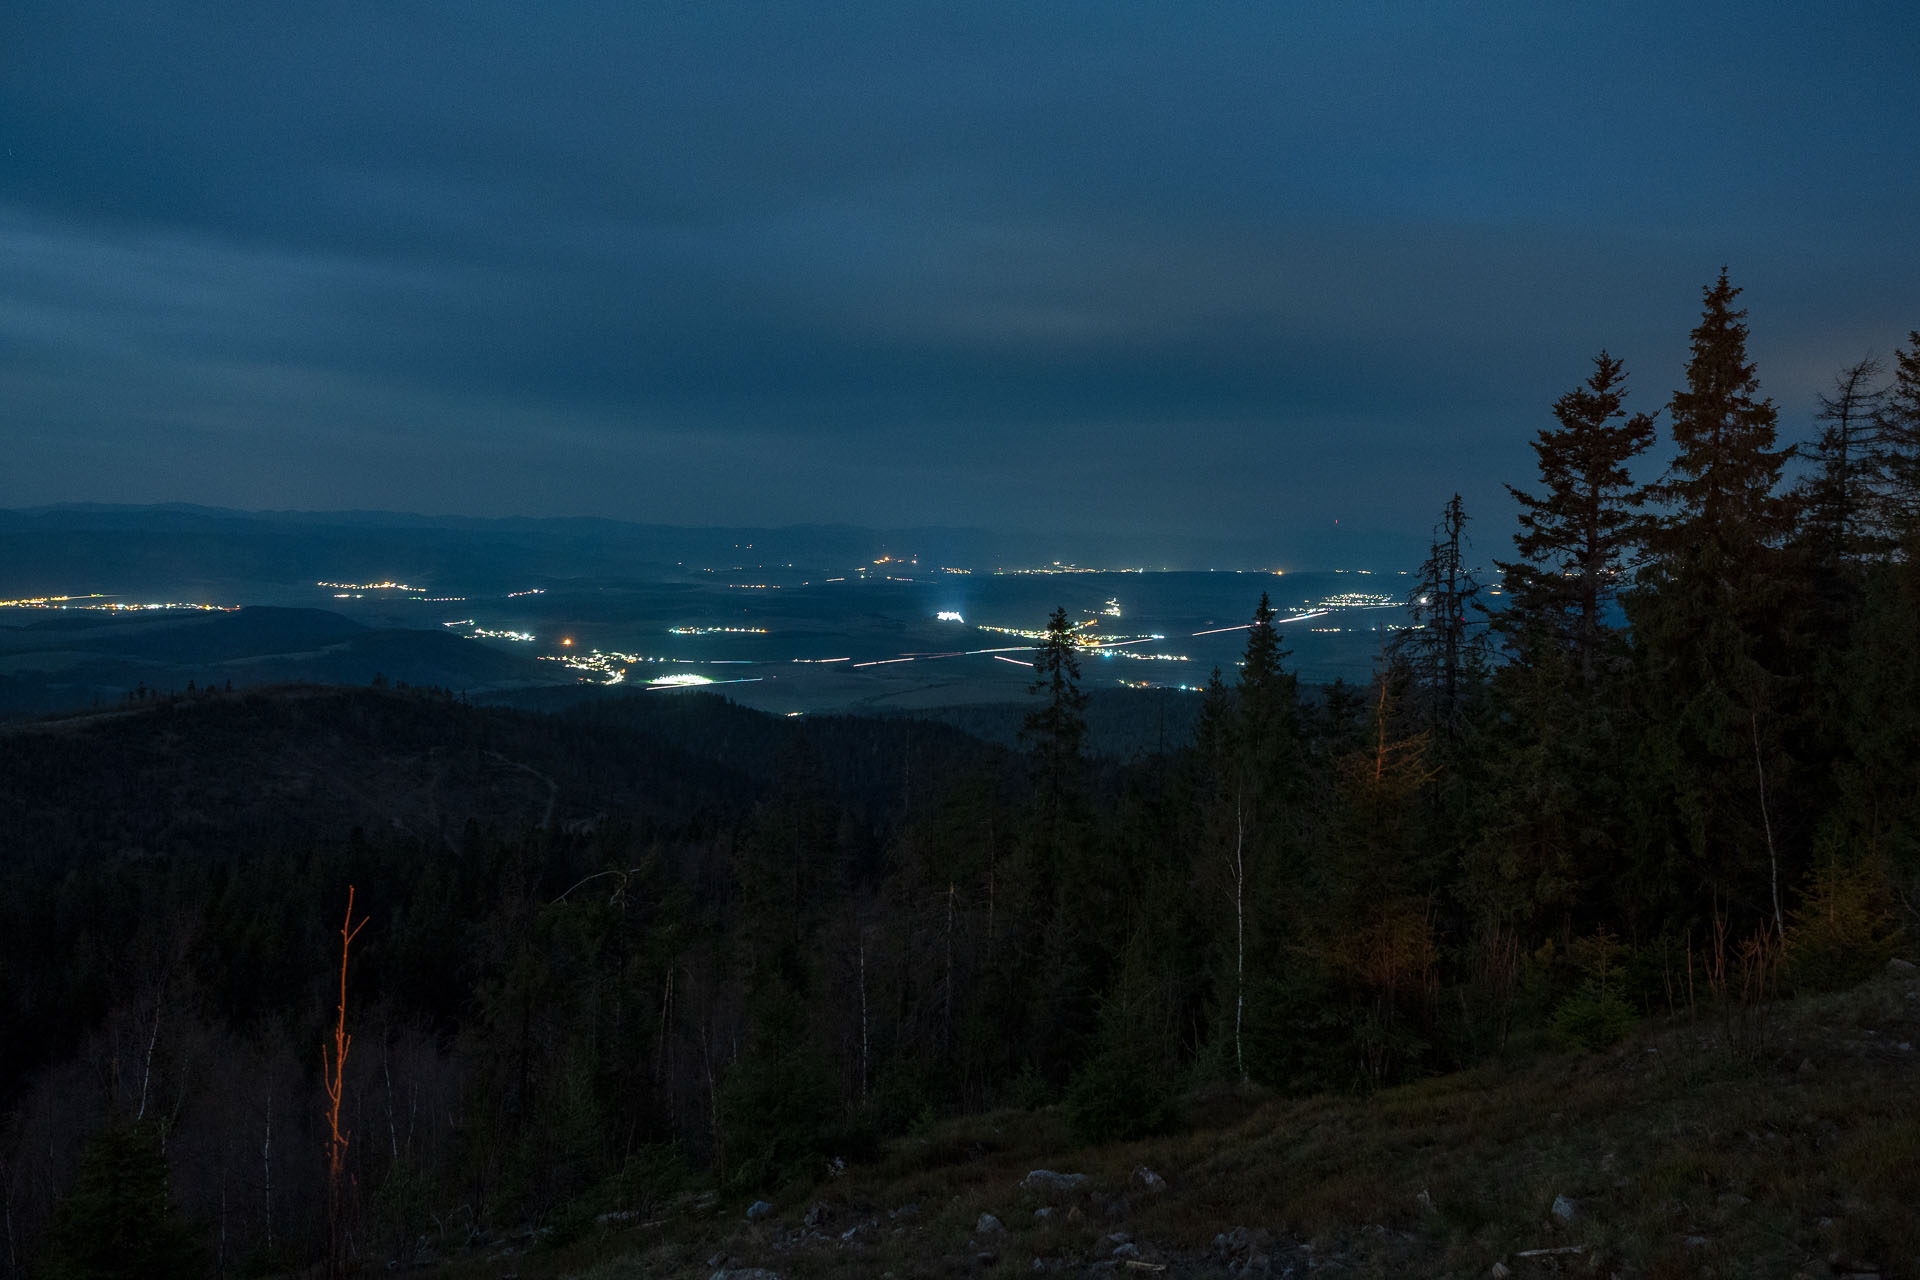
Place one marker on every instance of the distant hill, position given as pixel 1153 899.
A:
pixel 69 660
pixel 88 547
pixel 217 773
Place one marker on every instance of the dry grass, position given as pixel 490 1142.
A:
pixel 1684 1156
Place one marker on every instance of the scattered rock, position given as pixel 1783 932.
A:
pixel 1565 1209
pixel 1500 1271
pixel 1041 1215
pixel 756 1211
pixel 1046 1180
pixel 1147 1180
pixel 746 1273
pixel 818 1216
pixel 1118 1237
pixel 1424 1200
pixel 986 1257
pixel 1897 965
pixel 1242 1242
pixel 905 1211
pixel 1119 1209
pixel 987 1226
pixel 1126 1250
pixel 617 1216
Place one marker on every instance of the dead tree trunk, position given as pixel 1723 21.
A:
pixel 333 1072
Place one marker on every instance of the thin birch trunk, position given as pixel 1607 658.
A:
pixel 146 1070
pixel 864 1041
pixel 266 1169
pixel 1766 823
pixel 1240 933
pixel 946 1026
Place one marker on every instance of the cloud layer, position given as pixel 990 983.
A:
pixel 1220 270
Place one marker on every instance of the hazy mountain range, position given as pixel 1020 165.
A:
pixel 87 547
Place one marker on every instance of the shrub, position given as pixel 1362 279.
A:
pixel 1117 1096
pixel 1842 932
pixel 1595 1015
pixel 776 1104
pixel 651 1177
pixel 118 1220
pixel 1029 1090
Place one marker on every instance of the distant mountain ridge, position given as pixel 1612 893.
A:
pixel 594 543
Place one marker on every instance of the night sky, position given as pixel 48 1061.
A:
pixel 1232 270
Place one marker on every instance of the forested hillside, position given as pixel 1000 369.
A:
pixel 647 944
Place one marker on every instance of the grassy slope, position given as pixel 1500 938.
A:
pixel 1789 1145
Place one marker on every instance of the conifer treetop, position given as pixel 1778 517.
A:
pixel 1724 474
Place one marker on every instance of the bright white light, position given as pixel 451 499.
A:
pixel 683 678
pixel 948 615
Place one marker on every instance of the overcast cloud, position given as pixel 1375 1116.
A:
pixel 1223 270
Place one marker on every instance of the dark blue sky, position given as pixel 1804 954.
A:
pixel 1228 270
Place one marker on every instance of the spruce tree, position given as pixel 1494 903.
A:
pixel 1374 921
pixel 1712 619
pixel 1724 476
pixel 1841 516
pixel 1055 733
pixel 1874 824
pixel 1266 690
pixel 1445 648
pixel 118 1219
pixel 1577 534
pixel 1250 837
pixel 1896 444
pixel 1062 897
pixel 1213 728
pixel 1838 536
pixel 1875 819
pixel 1268 755
pixel 1549 841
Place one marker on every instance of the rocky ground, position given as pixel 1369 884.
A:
pixel 1778 1141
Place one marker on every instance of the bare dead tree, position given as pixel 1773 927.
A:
pixel 333 1072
